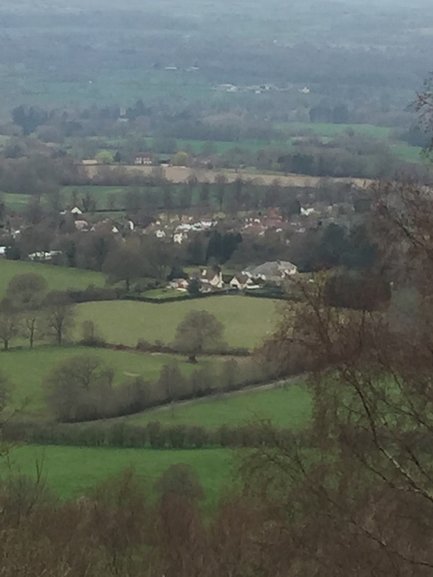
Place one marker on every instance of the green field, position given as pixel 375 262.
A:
pixel 16 202
pixel 326 129
pixel 285 407
pixel 105 197
pixel 71 471
pixel 247 321
pixel 27 370
pixel 407 152
pixel 58 278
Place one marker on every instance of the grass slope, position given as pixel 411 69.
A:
pixel 27 370
pixel 58 278
pixel 71 471
pixel 247 320
pixel 285 407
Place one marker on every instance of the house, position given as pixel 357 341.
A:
pixel 43 256
pixel 211 279
pixel 160 233
pixel 272 271
pixel 143 159
pixel 179 237
pixel 76 211
pixel 81 225
pixel 308 211
pixel 3 250
pixel 179 284
pixel 242 282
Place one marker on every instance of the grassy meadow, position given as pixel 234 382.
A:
pixel 247 321
pixel 72 471
pixel 288 406
pixel 58 278
pixel 28 369
pixel 328 129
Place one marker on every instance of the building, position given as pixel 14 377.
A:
pixel 243 282
pixel 212 279
pixel 272 271
pixel 143 159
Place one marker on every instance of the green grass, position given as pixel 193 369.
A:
pixel 58 278
pixel 163 294
pixel 285 407
pixel 71 471
pixel 16 202
pixel 407 152
pixel 247 321
pixel 105 197
pixel 329 130
pixel 222 147
pixel 28 369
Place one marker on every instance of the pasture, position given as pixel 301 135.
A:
pixel 58 278
pixel 247 320
pixel 73 471
pixel 288 406
pixel 327 129
pixel 27 370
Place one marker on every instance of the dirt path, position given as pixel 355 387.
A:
pixel 180 174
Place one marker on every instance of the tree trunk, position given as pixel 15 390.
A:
pixel 32 336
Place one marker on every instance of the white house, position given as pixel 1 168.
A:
pixel 143 159
pixel 179 237
pixel 272 271
pixel 243 282
pixel 81 225
pixel 44 256
pixel 212 279
pixel 179 284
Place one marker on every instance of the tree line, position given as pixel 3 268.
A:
pixel 154 435
pixel 83 388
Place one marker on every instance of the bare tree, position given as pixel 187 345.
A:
pixel 60 315
pixel 26 292
pixel 8 323
pixel 79 388
pixel 361 475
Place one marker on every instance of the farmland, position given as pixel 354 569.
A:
pixel 288 406
pixel 58 278
pixel 247 321
pixel 27 370
pixel 71 471
pixel 180 174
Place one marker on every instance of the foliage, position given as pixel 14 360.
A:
pixel 199 332
pixel 79 388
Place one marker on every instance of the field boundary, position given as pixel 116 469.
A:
pixel 119 432
pixel 181 175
